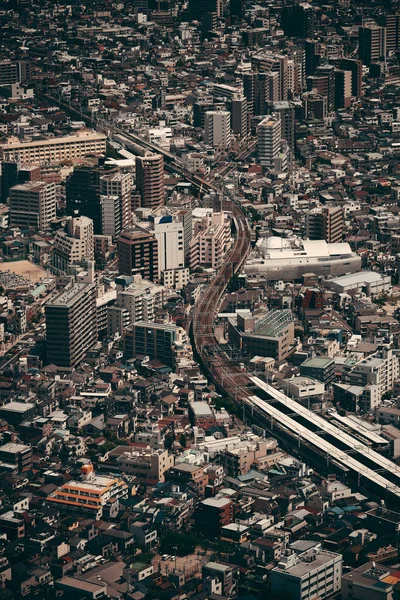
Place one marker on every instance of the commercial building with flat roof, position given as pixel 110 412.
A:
pixel 370 282
pixel 17 412
pixel 40 152
pixel 308 576
pixel 15 457
pixel 276 259
pixel 320 368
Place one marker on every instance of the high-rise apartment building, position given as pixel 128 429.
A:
pixel 73 247
pixel 138 254
pixel 343 88
pixel 298 20
pixel 111 217
pixel 269 62
pixel 32 205
pixel 314 106
pixel 120 185
pixel 355 67
pixel 392 25
pixel 71 325
pixel 287 117
pixel 324 83
pixel 311 55
pixel 14 71
pixel 325 224
pixel 269 136
pixel 217 128
pixel 13 172
pixel 372 43
pixel 169 234
pixel 82 190
pixel 150 179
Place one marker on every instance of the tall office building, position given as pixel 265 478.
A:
pixel 325 224
pixel 343 88
pixel 32 205
pixel 71 325
pixel 138 253
pixel 150 180
pixel 312 56
pixel 196 10
pixel 269 140
pixel 372 43
pixel 239 117
pixel 82 192
pixel 217 128
pixel 355 67
pixel 298 20
pixel 119 184
pixel 200 107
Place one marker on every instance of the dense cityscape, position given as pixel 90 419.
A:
pixel 199 299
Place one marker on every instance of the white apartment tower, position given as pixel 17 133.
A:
pixel 269 137
pixel 119 184
pixel 217 128
pixel 169 234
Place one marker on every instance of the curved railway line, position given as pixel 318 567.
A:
pixel 258 400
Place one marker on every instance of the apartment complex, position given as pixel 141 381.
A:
pixel 40 152
pixel 381 369
pixel 153 340
pixel 150 180
pixel 325 223
pixel 118 185
pixel 211 239
pixel 73 247
pixel 32 205
pixel 309 575
pixel 146 463
pixel 111 217
pixel 269 136
pixel 217 128
pixel 372 43
pixel 71 325
pixel 138 254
